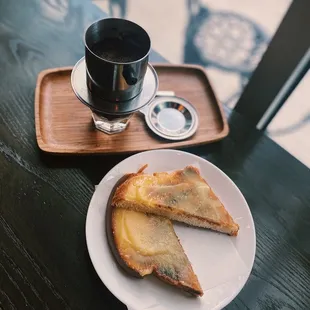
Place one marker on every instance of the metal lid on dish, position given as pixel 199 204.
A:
pixel 171 117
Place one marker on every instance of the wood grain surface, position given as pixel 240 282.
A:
pixel 44 263
pixel 64 125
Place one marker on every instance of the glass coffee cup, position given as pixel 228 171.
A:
pixel 116 56
pixel 114 79
pixel 112 116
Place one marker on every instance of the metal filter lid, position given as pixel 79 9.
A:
pixel 171 117
pixel 95 103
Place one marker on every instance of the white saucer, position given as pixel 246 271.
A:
pixel 171 117
pixel 222 263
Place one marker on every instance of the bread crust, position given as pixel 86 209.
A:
pixel 110 228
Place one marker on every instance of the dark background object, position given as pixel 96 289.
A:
pixel 223 40
pixel 290 44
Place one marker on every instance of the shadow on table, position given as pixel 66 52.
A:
pixel 95 167
pixel 109 301
pixel 230 153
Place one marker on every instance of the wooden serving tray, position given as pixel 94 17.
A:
pixel 64 125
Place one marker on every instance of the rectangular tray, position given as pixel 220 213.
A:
pixel 64 125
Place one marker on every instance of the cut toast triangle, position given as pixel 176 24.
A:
pixel 182 195
pixel 147 244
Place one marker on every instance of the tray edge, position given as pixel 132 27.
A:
pixel 42 74
pixel 45 147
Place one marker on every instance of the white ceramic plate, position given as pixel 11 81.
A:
pixel 222 263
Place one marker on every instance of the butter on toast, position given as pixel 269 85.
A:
pixel 147 244
pixel 182 195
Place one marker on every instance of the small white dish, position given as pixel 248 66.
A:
pixel 171 117
pixel 222 263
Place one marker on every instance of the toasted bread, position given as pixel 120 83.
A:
pixel 147 244
pixel 182 195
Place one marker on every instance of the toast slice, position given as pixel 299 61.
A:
pixel 182 195
pixel 147 244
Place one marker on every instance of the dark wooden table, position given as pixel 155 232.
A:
pixel 44 199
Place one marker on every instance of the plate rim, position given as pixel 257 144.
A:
pixel 116 294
